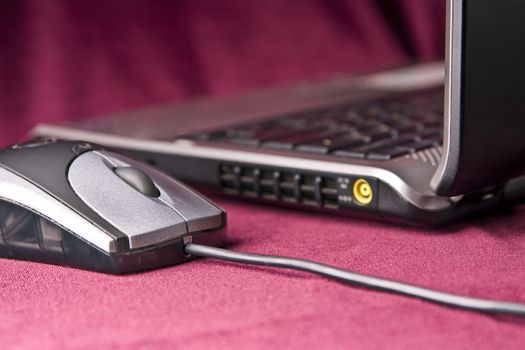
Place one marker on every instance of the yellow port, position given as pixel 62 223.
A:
pixel 362 192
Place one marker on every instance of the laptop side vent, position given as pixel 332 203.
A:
pixel 289 187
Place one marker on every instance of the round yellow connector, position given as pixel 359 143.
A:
pixel 362 192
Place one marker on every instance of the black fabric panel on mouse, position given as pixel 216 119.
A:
pixel 46 166
pixel 25 235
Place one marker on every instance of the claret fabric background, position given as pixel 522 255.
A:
pixel 70 59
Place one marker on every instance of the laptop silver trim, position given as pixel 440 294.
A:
pixel 448 167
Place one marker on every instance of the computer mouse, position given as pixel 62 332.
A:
pixel 78 204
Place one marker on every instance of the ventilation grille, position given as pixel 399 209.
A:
pixel 290 187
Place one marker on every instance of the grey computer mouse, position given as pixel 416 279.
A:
pixel 77 204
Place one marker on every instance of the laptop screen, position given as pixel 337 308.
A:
pixel 488 146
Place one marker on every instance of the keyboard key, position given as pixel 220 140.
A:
pixel 301 136
pixel 349 153
pixel 327 144
pixel 378 147
pixel 256 136
pixel 407 127
pixel 418 145
pixel 387 153
pixel 378 132
pixel 351 115
pixel 430 133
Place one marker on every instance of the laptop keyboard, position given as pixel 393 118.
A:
pixel 377 130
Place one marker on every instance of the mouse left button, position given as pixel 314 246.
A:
pixel 145 220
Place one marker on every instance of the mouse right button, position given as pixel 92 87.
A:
pixel 200 214
pixel 144 220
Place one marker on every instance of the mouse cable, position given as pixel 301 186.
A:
pixel 449 299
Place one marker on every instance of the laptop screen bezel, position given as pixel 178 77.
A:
pixel 482 97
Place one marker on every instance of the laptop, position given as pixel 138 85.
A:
pixel 425 144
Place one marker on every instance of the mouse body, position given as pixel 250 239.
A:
pixel 77 204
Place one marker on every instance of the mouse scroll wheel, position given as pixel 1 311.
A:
pixel 139 180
